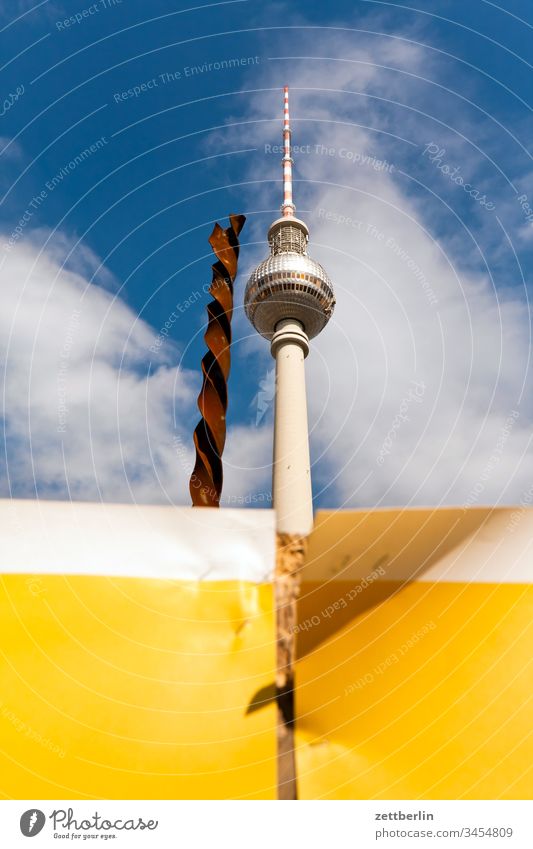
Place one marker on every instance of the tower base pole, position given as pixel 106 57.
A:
pixel 291 550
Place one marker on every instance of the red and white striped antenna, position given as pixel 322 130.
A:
pixel 287 208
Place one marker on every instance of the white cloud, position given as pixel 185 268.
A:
pixel 9 149
pixel 84 415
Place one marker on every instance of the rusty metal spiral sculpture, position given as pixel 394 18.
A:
pixel 205 484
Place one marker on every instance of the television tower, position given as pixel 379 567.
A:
pixel 289 299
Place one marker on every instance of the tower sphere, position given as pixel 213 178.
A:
pixel 289 284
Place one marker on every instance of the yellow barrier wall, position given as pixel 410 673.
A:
pixel 116 687
pixel 418 687
pixel 414 646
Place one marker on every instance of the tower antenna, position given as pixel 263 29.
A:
pixel 287 208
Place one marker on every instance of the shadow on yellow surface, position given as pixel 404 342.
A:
pixel 419 686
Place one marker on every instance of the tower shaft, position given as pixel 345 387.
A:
pixel 291 473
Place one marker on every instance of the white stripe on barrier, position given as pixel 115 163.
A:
pixel 136 540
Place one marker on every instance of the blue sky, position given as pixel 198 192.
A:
pixel 432 279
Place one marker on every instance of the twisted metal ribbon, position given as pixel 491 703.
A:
pixel 205 484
